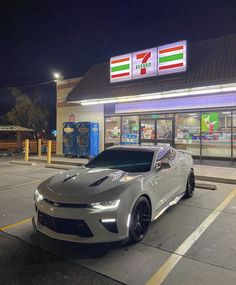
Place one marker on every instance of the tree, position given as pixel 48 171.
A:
pixel 27 113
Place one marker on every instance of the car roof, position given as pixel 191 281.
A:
pixel 141 147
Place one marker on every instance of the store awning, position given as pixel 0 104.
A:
pixel 210 62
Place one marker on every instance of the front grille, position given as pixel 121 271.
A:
pixel 66 205
pixel 65 226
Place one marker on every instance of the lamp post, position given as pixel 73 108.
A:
pixel 57 76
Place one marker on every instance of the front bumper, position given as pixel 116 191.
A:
pixel 61 222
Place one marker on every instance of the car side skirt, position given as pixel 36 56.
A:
pixel 171 203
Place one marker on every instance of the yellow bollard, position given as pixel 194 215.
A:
pixel 39 148
pixel 49 150
pixel 26 150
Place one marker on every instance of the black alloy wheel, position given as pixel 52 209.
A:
pixel 140 220
pixel 190 187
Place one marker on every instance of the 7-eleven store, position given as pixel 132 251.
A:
pixel 181 94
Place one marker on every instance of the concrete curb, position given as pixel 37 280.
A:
pixel 60 162
pixel 59 166
pixel 206 186
pixel 23 162
pixel 215 179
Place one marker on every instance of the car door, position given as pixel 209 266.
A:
pixel 166 180
pixel 177 174
pixel 180 173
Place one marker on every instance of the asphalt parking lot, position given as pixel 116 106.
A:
pixel 192 243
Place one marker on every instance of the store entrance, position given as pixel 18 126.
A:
pixel 154 131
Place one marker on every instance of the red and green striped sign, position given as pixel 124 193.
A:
pixel 171 58
pixel 121 68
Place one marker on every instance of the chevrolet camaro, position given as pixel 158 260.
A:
pixel 115 196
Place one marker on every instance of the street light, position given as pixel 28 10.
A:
pixel 58 76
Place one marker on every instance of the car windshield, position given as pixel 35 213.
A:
pixel 130 160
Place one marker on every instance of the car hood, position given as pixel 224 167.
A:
pixel 86 185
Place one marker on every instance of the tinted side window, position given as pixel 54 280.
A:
pixel 162 153
pixel 169 156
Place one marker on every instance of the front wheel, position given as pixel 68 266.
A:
pixel 190 187
pixel 140 220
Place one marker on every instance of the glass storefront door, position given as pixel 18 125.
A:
pixel 147 131
pixel 153 131
pixel 130 130
pixel 164 131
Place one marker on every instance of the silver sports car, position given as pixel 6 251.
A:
pixel 115 196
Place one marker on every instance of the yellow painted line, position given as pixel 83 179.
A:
pixel 16 224
pixel 166 268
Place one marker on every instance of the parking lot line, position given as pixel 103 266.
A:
pixel 16 224
pixel 166 268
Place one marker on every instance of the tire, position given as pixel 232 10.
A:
pixel 190 187
pixel 140 220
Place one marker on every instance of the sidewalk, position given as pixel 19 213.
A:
pixel 215 173
pixel 203 172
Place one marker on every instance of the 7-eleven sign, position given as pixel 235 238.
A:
pixel 144 63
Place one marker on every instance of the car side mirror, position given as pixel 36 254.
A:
pixel 162 165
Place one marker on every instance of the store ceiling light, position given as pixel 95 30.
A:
pixel 213 89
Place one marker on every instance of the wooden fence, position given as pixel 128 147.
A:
pixel 11 146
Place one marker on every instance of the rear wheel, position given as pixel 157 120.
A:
pixel 140 220
pixel 190 187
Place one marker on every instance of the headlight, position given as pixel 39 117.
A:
pixel 105 205
pixel 37 196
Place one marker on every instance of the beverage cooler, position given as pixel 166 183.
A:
pixel 70 147
pixel 87 139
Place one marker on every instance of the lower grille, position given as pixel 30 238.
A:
pixel 65 226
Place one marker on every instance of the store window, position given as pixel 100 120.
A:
pixel 130 130
pixel 112 131
pixel 187 132
pixel 234 134
pixel 216 134
pixel 147 129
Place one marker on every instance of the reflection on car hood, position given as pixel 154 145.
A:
pixel 86 185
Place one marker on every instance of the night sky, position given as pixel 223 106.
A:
pixel 38 37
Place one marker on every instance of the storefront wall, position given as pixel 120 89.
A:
pixel 93 113
pixel 206 134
